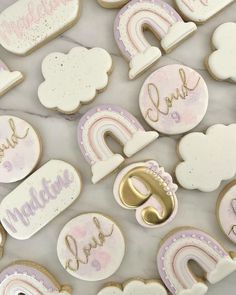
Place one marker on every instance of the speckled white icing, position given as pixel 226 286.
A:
pixel 27 24
pixel 173 99
pixel 8 79
pixel 157 16
pixel 112 3
pixel 222 62
pixel 201 10
pixel 39 199
pixel 189 244
pixel 73 79
pixel 20 149
pixel 91 247
pixel 208 158
pixel 29 278
pixel 135 287
pixel 226 211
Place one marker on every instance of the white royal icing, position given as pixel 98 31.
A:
pixel 73 79
pixel 27 24
pixel 91 247
pixel 135 287
pixel 112 3
pixel 201 10
pixel 222 62
pixel 208 158
pixel 39 199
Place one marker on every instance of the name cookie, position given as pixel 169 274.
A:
pixel 73 79
pixel 174 99
pixel 226 211
pixel 208 158
pixel 91 247
pixel 181 247
pixel 20 149
pixel 112 120
pixel 135 286
pixel 26 277
pixel 157 16
pixel 222 62
pixel 148 189
pixel 8 79
pixel 201 10
pixel 28 24
pixel 3 238
pixel 39 199
pixel 112 3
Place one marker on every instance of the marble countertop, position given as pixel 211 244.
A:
pixel 58 132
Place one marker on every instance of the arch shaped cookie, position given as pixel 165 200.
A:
pixel 201 10
pixel 26 277
pixel 148 189
pixel 8 79
pixel 157 16
pixel 28 24
pixel 112 120
pixel 189 244
pixel 112 3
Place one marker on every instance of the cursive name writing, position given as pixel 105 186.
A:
pixel 190 3
pixel 181 92
pixel 13 140
pixel 71 244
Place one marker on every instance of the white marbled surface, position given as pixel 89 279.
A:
pixel 58 132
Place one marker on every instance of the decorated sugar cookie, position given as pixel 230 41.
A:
pixel 157 16
pixel 208 158
pixel 28 24
pixel 26 278
pixel 112 3
pixel 20 149
pixel 73 79
pixel 8 79
pixel 222 62
pixel 135 286
pixel 91 247
pixel 3 237
pixel 184 245
pixel 110 120
pixel 201 10
pixel 39 199
pixel 173 99
pixel 150 190
pixel 226 211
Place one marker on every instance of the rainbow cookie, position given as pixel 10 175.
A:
pixel 91 247
pixel 20 149
pixel 201 10
pixel 28 24
pixel 174 99
pixel 3 238
pixel 157 16
pixel 112 3
pixel 188 244
pixel 8 79
pixel 226 211
pixel 112 120
pixel 29 278
pixel 150 190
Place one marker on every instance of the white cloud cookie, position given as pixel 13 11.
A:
pixel 74 78
pixel 137 287
pixel 208 158
pixel 222 62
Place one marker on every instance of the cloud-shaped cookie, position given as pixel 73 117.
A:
pixel 74 78
pixel 137 287
pixel 222 62
pixel 207 158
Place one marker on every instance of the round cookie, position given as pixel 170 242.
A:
pixel 174 99
pixel 91 247
pixel 20 149
pixel 226 211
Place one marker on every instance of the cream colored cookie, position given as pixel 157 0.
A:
pixel 112 3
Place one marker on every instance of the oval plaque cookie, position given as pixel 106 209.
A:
pixel 20 149
pixel 28 24
pixel 91 247
pixel 39 199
